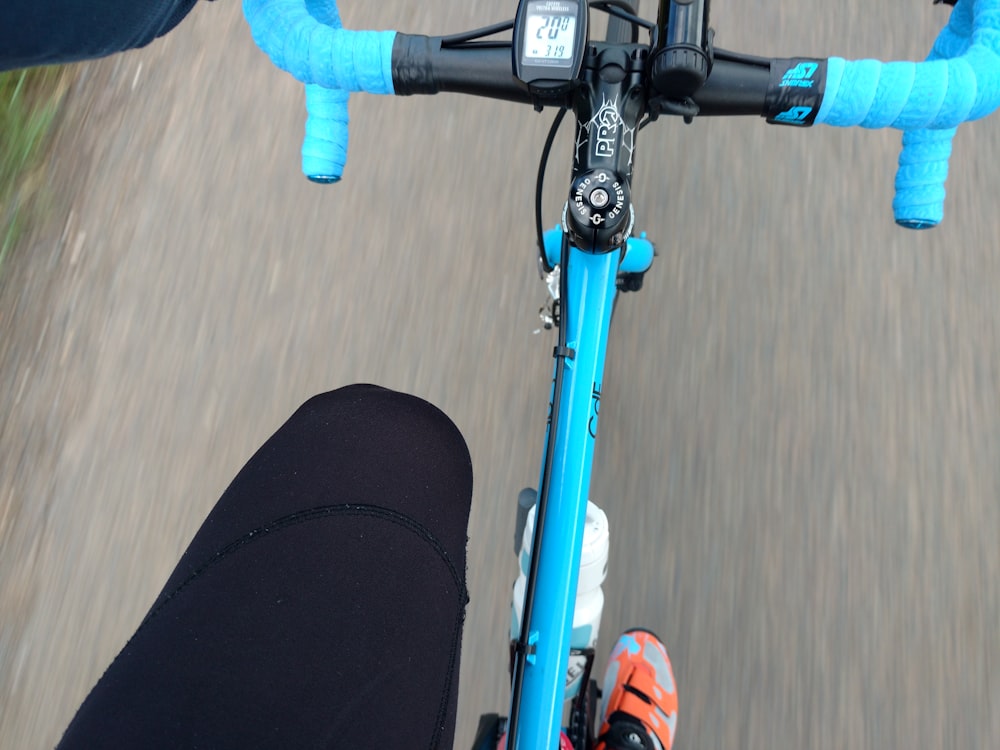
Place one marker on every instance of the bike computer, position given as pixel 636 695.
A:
pixel 549 41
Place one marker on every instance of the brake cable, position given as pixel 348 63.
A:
pixel 542 165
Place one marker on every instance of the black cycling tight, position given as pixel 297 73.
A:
pixel 321 603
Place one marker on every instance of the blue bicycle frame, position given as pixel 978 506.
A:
pixel 589 289
pixel 590 284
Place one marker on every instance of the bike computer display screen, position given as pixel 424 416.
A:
pixel 549 37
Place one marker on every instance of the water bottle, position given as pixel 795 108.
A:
pixel 589 594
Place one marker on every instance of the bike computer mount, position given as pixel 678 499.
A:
pixel 550 37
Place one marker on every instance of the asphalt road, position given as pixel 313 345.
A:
pixel 800 448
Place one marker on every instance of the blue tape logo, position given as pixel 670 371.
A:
pixel 794 116
pixel 801 76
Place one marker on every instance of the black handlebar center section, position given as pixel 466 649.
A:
pixel 608 103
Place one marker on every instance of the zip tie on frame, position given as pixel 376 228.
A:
pixel 525 649
pixel 564 352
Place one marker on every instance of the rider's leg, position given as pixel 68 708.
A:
pixel 320 604
pixel 640 697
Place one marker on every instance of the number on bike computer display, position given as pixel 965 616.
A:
pixel 549 37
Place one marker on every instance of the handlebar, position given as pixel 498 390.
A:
pixel 960 81
pixel 305 38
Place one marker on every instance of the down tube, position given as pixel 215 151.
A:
pixel 587 315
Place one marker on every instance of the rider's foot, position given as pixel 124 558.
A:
pixel 640 698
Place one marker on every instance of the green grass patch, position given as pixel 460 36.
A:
pixel 29 102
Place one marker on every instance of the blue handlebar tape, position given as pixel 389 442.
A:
pixel 324 147
pixel 304 38
pixel 959 81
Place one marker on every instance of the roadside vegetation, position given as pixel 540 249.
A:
pixel 29 102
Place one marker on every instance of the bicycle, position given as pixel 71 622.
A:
pixel 616 89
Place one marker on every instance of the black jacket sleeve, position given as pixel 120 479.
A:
pixel 43 32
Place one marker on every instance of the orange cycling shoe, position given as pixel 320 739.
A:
pixel 640 697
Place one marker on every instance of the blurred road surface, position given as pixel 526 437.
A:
pixel 800 448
